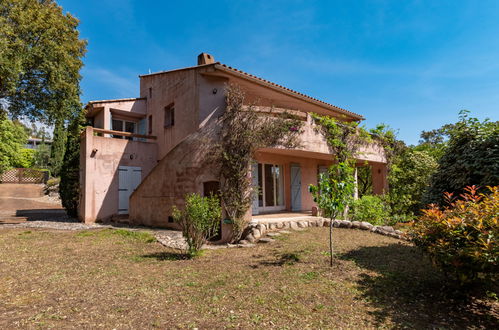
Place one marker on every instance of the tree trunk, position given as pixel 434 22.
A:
pixel 331 242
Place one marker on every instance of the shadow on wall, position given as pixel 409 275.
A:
pixel 103 157
pixel 412 293
pixel 184 169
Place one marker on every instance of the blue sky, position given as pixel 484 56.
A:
pixel 410 64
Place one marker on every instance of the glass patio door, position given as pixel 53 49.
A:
pixel 271 187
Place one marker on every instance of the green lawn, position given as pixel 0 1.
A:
pixel 114 279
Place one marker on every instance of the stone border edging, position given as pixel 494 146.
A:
pixel 258 231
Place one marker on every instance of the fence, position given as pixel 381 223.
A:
pixel 24 175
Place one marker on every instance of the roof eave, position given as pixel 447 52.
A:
pixel 276 87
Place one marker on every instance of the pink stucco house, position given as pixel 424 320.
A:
pixel 140 156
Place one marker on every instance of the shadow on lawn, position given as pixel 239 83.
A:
pixel 165 256
pixel 412 293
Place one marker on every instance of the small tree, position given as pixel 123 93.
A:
pixel 333 193
pixel 199 221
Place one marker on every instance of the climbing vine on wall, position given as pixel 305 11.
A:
pixel 343 138
pixel 244 131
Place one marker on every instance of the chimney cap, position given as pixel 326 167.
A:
pixel 205 58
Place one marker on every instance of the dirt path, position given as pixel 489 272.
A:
pixel 26 202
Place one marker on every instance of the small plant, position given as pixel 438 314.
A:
pixel 199 221
pixel 333 193
pixel 462 236
pixel 372 209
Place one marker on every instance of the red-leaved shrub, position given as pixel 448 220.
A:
pixel 462 237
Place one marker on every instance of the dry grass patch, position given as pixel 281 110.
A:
pixel 121 279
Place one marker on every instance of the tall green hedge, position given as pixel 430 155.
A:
pixel 69 188
pixel 471 158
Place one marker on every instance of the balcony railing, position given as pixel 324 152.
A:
pixel 134 136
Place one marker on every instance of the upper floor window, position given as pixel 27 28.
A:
pixel 123 126
pixel 149 122
pixel 150 92
pixel 169 115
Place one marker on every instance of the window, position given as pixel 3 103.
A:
pixel 169 116
pixel 123 126
pixel 149 123
pixel 150 92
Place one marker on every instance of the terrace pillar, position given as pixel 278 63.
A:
pixel 379 172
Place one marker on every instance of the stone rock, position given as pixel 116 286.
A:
pixel 243 241
pixel 250 238
pixel 273 234
pixel 293 225
pixel 336 223
pixel 355 224
pixel 266 240
pixel 374 228
pixel 326 222
pixel 320 222
pixel 301 224
pixel 272 226
pixel 312 223
pixel 256 233
pixel 287 225
pixel 400 232
pixel 280 225
pixel 247 245
pixel 394 235
pixel 365 225
pixel 261 227
pixel 285 232
pixel 388 228
pixel 345 224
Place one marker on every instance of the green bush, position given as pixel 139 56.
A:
pixel 25 158
pixel 462 236
pixel 409 178
pixel 52 182
pixel 470 158
pixel 12 140
pixel 372 209
pixel 199 221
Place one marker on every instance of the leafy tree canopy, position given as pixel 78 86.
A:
pixel 471 157
pixel 12 140
pixel 40 60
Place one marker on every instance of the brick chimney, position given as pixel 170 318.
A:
pixel 205 58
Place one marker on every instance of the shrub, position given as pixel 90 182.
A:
pixel 25 158
pixel 372 209
pixel 461 237
pixel 199 221
pixel 409 178
pixel 470 158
